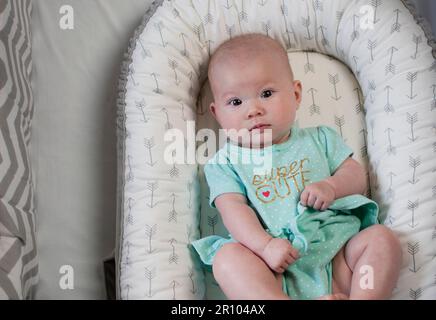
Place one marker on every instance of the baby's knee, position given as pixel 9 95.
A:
pixel 223 260
pixel 386 240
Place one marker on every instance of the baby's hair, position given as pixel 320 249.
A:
pixel 246 46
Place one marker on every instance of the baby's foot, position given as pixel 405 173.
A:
pixel 335 296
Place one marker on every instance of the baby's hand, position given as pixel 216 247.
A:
pixel 318 195
pixel 278 254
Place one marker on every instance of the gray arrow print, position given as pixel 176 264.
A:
pixel 208 18
pixel 141 106
pixel 414 163
pixel 172 216
pixel 412 206
pixel 412 119
pixel 212 221
pixel 308 66
pixel 168 124
pixel 130 177
pixel 355 34
pixel 149 144
pixel 306 23
pixel 149 274
pixel 230 30
pixel 150 232
pixel 411 77
pixel 390 193
pixel 388 106
pixel 334 80
pixel 371 46
pixel 191 277
pixel 375 4
pixel 364 149
pixel 416 40
pixel 174 171
pixel 284 11
pixel 243 16
pixel 390 67
pixel 174 257
pixel 391 149
pixel 413 249
pixel 157 89
pixel 355 59
pixel 173 66
pixel 314 108
pixel 145 53
pixel 159 27
pixel 371 88
pixel 152 187
pixel 396 26
pixel 340 122
pixel 174 284
pixel 130 203
pixel 198 29
pixel 415 294
pixel 318 5
pixel 324 40
pixel 131 73
pixel 209 42
pixel 358 108
pixel 127 260
pixel 266 26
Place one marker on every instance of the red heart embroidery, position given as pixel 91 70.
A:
pixel 265 194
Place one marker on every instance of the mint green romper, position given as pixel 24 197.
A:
pixel 308 156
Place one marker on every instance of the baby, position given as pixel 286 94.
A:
pixel 302 229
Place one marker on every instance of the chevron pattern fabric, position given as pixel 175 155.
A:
pixel 18 253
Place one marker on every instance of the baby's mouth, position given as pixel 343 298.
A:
pixel 261 127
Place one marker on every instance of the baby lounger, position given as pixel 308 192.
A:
pixel 163 206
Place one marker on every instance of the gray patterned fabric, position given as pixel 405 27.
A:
pixel 18 254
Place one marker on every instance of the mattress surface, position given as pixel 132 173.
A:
pixel 75 74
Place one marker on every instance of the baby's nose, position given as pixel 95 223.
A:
pixel 255 110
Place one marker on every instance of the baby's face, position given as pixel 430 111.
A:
pixel 256 94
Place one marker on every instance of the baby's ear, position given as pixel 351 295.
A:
pixel 298 91
pixel 212 109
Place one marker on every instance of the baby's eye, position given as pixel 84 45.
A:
pixel 235 102
pixel 266 93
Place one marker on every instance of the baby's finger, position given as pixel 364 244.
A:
pixel 279 270
pixel 311 200
pixel 325 205
pixel 318 204
pixel 294 253
pixel 303 197
pixel 290 260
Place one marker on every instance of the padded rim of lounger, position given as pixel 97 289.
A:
pixel 121 129
pixel 375 98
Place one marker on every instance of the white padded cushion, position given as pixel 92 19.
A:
pixel 160 202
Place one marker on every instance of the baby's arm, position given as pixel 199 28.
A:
pixel 244 226
pixel 348 179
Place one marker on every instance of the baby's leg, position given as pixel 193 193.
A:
pixel 368 266
pixel 241 275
